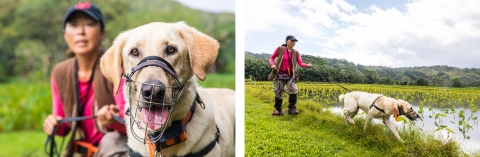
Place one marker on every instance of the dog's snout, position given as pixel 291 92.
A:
pixel 153 91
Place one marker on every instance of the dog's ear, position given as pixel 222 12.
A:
pixel 202 49
pixel 111 61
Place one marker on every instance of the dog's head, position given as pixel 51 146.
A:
pixel 407 110
pixel 154 91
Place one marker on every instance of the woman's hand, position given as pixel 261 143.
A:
pixel 50 122
pixel 104 115
pixel 274 67
pixel 309 65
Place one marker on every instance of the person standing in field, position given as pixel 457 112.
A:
pixel 80 89
pixel 284 69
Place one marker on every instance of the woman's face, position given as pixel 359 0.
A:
pixel 290 43
pixel 83 34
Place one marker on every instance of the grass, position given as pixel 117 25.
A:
pixel 219 81
pixel 25 104
pixel 24 143
pixel 319 133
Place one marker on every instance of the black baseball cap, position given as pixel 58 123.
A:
pixel 292 38
pixel 90 9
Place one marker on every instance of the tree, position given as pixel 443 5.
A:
pixel 387 80
pixel 421 82
pixel 406 80
pixel 370 76
pixel 457 83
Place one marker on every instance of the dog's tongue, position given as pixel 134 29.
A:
pixel 156 117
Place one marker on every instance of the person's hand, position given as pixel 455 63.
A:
pixel 50 122
pixel 104 115
pixel 309 65
pixel 274 67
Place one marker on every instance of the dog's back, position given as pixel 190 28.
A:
pixel 354 100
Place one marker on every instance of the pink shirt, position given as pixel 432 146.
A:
pixel 286 60
pixel 91 134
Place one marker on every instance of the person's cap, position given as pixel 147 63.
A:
pixel 292 38
pixel 90 9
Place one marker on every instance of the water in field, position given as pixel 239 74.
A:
pixel 428 124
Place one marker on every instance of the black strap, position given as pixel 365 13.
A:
pixel 378 108
pixel 152 61
pixel 208 148
pixel 132 153
pixel 373 104
pixel 80 106
pixel 202 152
pixel 51 138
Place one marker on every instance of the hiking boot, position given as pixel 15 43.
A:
pixel 292 108
pixel 292 101
pixel 292 111
pixel 278 108
pixel 276 113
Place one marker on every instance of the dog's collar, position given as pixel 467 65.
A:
pixel 373 104
pixel 395 112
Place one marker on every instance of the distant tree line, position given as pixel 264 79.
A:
pixel 257 68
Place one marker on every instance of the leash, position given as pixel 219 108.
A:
pixel 50 142
pixel 329 80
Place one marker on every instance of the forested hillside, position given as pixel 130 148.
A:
pixel 31 33
pixel 340 70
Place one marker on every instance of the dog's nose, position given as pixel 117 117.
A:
pixel 153 91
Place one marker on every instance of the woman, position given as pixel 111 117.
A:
pixel 80 89
pixel 284 67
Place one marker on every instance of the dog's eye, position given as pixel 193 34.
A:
pixel 134 52
pixel 171 50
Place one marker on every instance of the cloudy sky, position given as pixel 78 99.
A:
pixel 211 5
pixel 394 33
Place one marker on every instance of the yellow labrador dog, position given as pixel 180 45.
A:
pixel 168 113
pixel 376 106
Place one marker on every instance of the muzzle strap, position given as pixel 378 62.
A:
pixel 153 61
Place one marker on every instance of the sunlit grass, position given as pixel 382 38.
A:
pixel 315 132
pixel 217 80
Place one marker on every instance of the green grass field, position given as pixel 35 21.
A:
pixel 315 132
pixel 25 105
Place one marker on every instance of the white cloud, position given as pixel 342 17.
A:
pixel 425 32
pixel 211 5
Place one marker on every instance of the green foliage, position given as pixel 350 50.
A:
pixel 32 38
pixel 422 82
pixel 457 83
pixel 24 105
pixel 387 80
pixel 340 70
pixel 319 133
pixel 223 80
pixel 257 67
pixel 24 143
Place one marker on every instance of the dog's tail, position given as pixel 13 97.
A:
pixel 341 97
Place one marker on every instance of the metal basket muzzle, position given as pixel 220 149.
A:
pixel 153 108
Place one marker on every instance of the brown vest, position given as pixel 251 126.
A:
pixel 278 61
pixel 64 75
